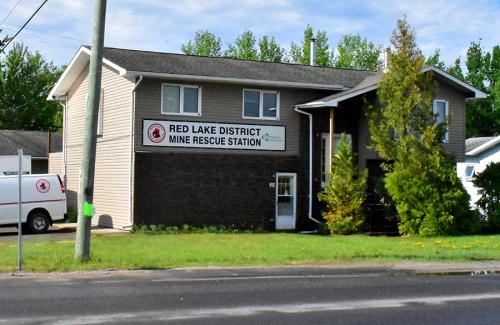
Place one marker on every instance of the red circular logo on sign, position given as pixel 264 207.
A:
pixel 156 133
pixel 42 185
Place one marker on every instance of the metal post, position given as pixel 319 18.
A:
pixel 19 213
pixel 86 193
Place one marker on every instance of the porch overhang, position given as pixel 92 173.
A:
pixel 372 83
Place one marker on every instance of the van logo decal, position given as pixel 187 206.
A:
pixel 156 133
pixel 42 185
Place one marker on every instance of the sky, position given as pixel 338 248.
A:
pixel 62 26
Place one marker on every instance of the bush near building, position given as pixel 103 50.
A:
pixel 489 183
pixel 345 193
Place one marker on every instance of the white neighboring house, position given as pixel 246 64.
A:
pixel 479 152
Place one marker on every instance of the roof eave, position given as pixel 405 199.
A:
pixel 74 68
pixel 335 101
pixel 256 82
pixel 478 94
pixel 484 147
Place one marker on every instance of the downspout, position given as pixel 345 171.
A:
pixel 310 161
pixel 132 150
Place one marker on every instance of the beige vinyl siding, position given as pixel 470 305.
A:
pixel 55 163
pixel 223 103
pixel 113 152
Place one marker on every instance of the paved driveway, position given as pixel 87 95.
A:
pixel 57 231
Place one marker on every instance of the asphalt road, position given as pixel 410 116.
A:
pixel 251 296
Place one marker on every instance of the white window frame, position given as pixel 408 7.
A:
pixel 446 114
pixel 473 171
pixel 181 99
pixel 261 105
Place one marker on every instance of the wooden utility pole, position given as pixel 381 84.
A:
pixel 85 198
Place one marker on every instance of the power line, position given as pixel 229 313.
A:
pixel 10 12
pixel 53 37
pixel 49 33
pixel 22 27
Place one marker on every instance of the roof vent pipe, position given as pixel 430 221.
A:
pixel 312 54
pixel 387 56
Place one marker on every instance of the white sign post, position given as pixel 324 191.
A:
pixel 213 135
pixel 19 221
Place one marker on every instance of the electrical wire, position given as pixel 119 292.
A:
pixel 10 12
pixel 49 33
pixel 22 27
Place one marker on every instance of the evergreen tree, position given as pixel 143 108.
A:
pixel 204 44
pixel 421 178
pixel 345 193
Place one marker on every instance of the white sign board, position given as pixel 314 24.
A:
pixel 213 135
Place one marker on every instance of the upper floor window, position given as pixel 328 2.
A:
pixel 261 104
pixel 440 112
pixel 180 99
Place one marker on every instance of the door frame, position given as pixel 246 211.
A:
pixel 294 177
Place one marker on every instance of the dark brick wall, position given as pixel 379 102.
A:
pixel 213 189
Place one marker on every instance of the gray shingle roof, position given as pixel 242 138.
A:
pixel 33 143
pixel 473 143
pixel 157 62
pixel 368 82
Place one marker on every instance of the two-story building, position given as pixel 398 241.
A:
pixel 216 141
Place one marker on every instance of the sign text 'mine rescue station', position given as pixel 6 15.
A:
pixel 213 135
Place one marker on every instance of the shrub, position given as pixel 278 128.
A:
pixel 489 183
pixel 429 197
pixel 345 193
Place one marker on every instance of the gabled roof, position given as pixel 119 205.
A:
pixel 372 82
pixel 474 146
pixel 33 143
pixel 188 67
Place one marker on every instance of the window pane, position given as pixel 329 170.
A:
pixel 469 171
pixel 171 99
pixel 439 111
pixel 190 100
pixel 270 105
pixel 252 102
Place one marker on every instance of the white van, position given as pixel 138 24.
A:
pixel 43 197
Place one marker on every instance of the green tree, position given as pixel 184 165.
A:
pixel 353 52
pixel 300 53
pixel 270 51
pixel 435 60
pixel 421 178
pixel 25 82
pixel 489 183
pixel 244 47
pixel 345 193
pixel 205 43
pixel 483 72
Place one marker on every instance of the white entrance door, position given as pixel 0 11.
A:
pixel 286 197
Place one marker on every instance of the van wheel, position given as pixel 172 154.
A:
pixel 38 222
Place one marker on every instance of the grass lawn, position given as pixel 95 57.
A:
pixel 147 251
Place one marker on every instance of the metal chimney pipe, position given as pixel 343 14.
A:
pixel 387 55
pixel 312 54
